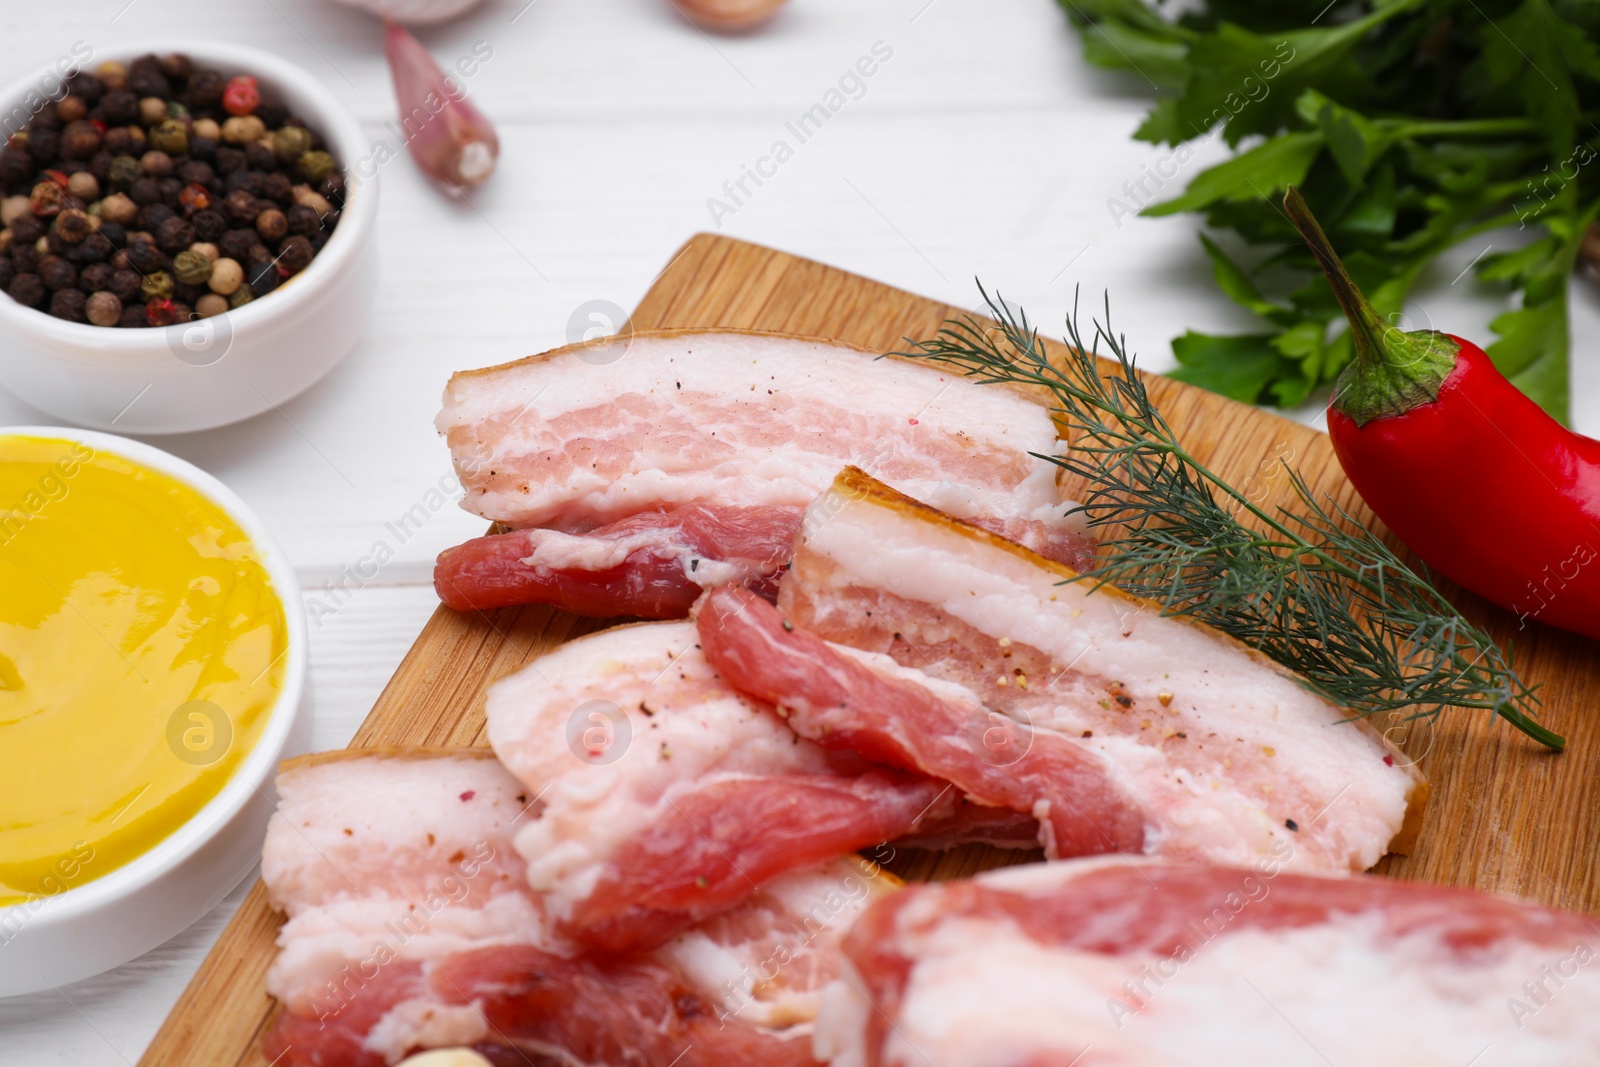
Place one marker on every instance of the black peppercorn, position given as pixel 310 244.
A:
pixel 196 173
pixel 27 289
pixel 27 229
pixel 57 273
pixel 236 244
pixel 294 255
pixel 145 191
pixel 332 188
pixel 242 207
pixel 73 226
pixel 119 107
pixel 80 140
pixel 145 257
pixel 100 166
pixel 176 66
pixel 277 187
pixel 209 225
pixel 119 141
pixel 274 115
pixel 202 149
pixel 44 145
pixel 174 235
pixel 16 168
pixel 88 86
pixel 151 216
pixel 125 283
pixel 115 233
pixel 204 89
pixel 263 277
pixel 71 108
pixel 171 192
pixel 69 304
pixel 54 245
pixel 25 258
pixel 95 277
pixel 149 82
pixel 229 159
pixel 7 272
pixel 95 248
pixel 132 317
pixel 258 156
pixel 302 219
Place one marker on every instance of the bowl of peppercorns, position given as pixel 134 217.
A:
pixel 182 243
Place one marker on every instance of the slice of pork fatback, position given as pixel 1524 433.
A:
pixel 665 797
pixel 866 703
pixel 708 427
pixel 411 926
pixel 1137 963
pixel 1224 753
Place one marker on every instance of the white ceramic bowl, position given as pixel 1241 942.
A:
pixel 223 369
pixel 98 925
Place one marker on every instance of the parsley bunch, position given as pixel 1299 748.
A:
pixel 1409 125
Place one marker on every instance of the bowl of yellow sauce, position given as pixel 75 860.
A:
pixel 152 675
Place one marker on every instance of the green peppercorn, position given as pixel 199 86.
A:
pixel 290 143
pixel 125 170
pixel 157 285
pixel 175 110
pixel 241 296
pixel 171 137
pixel 191 267
pixel 316 166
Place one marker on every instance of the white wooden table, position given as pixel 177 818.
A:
pixel 983 146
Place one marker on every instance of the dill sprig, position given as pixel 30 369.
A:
pixel 1312 587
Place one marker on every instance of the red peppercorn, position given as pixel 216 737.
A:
pixel 195 197
pixel 49 198
pixel 241 96
pixel 161 312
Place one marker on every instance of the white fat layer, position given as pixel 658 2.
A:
pixel 906 405
pixel 684 729
pixel 383 859
pixel 426 1024
pixel 776 981
pixel 1345 991
pixel 1258 747
pixel 554 550
pixel 403 826
pixel 840 1037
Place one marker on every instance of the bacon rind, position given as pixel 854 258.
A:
pixel 839 701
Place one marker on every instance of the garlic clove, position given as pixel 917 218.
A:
pixel 450 139
pixel 414 12
pixel 728 16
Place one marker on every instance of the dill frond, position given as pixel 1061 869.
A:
pixel 1309 586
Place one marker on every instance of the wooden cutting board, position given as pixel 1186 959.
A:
pixel 1505 815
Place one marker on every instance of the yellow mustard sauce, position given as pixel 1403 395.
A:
pixel 141 649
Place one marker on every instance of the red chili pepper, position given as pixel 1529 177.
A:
pixel 1473 476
